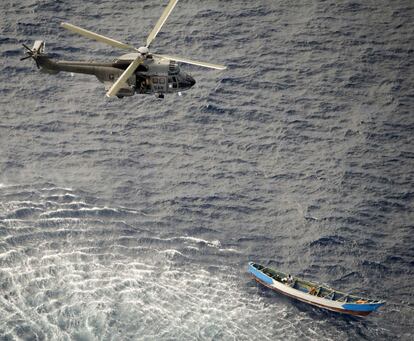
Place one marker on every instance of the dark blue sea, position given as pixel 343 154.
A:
pixel 135 219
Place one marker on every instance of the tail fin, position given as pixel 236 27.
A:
pixel 39 46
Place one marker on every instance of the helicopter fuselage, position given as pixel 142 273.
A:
pixel 154 76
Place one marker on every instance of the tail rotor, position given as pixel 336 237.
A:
pixel 34 53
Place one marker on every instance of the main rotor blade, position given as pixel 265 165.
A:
pixel 97 37
pixel 193 62
pixel 161 21
pixel 124 77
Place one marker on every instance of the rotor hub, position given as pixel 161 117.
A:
pixel 143 50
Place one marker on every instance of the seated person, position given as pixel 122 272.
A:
pixel 288 280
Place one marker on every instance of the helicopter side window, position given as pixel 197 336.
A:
pixel 162 81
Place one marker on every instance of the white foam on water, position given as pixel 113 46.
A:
pixel 213 243
pixel 11 221
pixel 229 250
pixel 56 188
pixel 171 253
pixel 97 209
pixel 61 220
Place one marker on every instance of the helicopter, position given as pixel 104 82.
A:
pixel 138 71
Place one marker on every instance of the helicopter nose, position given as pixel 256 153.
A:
pixel 186 81
pixel 191 80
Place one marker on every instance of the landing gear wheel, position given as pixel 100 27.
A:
pixel 160 96
pixel 119 96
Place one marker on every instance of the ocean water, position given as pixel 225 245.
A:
pixel 135 219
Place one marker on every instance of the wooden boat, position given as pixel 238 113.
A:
pixel 313 293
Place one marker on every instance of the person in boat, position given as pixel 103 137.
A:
pixel 312 291
pixel 288 280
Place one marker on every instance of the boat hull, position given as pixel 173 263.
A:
pixel 332 305
pixel 350 312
